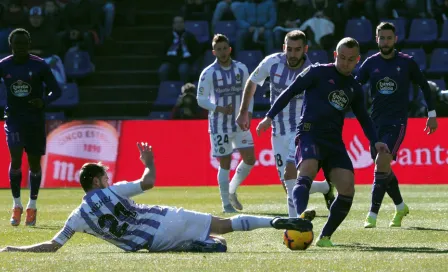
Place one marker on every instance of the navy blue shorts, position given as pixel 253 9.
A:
pixel 392 135
pixel 30 136
pixel 331 153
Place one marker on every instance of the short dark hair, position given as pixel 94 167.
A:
pixel 385 26
pixel 88 172
pixel 19 31
pixel 348 42
pixel 296 35
pixel 219 38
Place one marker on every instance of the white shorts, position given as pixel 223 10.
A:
pixel 179 228
pixel 223 144
pixel 284 149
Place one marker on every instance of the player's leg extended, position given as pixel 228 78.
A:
pixel 244 143
pixel 280 147
pixel 35 181
pixel 15 178
pixel 382 177
pixel 343 179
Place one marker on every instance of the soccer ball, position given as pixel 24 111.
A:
pixel 296 240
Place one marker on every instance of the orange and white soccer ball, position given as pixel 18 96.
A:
pixel 297 240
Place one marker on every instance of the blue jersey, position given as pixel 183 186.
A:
pixel 24 82
pixel 390 81
pixel 328 95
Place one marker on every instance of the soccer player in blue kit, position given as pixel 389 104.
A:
pixel 329 91
pixel 24 75
pixel 390 74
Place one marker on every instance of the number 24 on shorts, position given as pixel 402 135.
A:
pixel 220 139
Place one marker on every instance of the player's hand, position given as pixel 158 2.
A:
pixel 431 125
pixel 381 147
pixel 37 102
pixel 242 120
pixel 227 110
pixel 146 155
pixel 264 125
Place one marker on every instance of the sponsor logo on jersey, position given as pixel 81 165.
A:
pixel 20 88
pixel 338 99
pixel 386 86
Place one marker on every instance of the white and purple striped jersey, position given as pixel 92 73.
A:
pixel 281 76
pixel 111 215
pixel 221 86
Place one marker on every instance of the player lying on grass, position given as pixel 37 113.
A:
pixel 107 212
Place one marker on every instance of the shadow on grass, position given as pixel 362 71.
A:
pixel 364 247
pixel 427 229
pixel 47 227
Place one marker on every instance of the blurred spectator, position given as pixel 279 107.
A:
pixel 180 51
pixel 80 20
pixel 187 106
pixel 44 42
pixel 28 4
pixel 14 15
pixel 360 8
pixel 439 9
pixel 289 18
pixel 400 8
pixel 418 106
pixel 107 8
pixel 197 10
pixel 225 10
pixel 53 14
pixel 256 19
pixel 322 15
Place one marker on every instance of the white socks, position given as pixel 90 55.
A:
pixel 400 206
pixel 16 202
pixel 289 184
pixel 31 204
pixel 319 187
pixel 373 215
pixel 223 181
pixel 250 222
pixel 242 171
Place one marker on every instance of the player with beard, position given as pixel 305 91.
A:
pixel 220 90
pixel 282 69
pixel 390 74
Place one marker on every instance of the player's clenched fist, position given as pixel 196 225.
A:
pixel 146 155
pixel 264 125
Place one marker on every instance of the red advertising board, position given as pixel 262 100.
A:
pixel 182 153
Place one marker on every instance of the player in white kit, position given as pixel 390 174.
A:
pixel 282 69
pixel 107 212
pixel 220 90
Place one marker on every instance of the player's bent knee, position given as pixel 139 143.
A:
pixel 308 168
pixel 224 162
pixel 250 160
pixel 220 225
pixel 383 160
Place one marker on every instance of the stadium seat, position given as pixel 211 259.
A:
pixel 77 64
pixel 320 56
pixel 444 36
pixel 55 116
pixel 259 98
pixel 227 28
pixel 168 93
pixel 360 29
pixel 422 31
pixel 160 115
pixel 419 56
pixel 251 58
pixel 199 29
pixel 69 97
pixel 2 95
pixel 209 58
pixel 439 61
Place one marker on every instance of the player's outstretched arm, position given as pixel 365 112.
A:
pixel 205 86
pixel 247 103
pixel 49 246
pixel 149 175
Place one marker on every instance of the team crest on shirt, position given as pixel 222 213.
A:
pixel 238 78
pixel 338 99
pixel 386 86
pixel 20 88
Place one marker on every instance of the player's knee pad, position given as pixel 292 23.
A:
pixel 304 181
